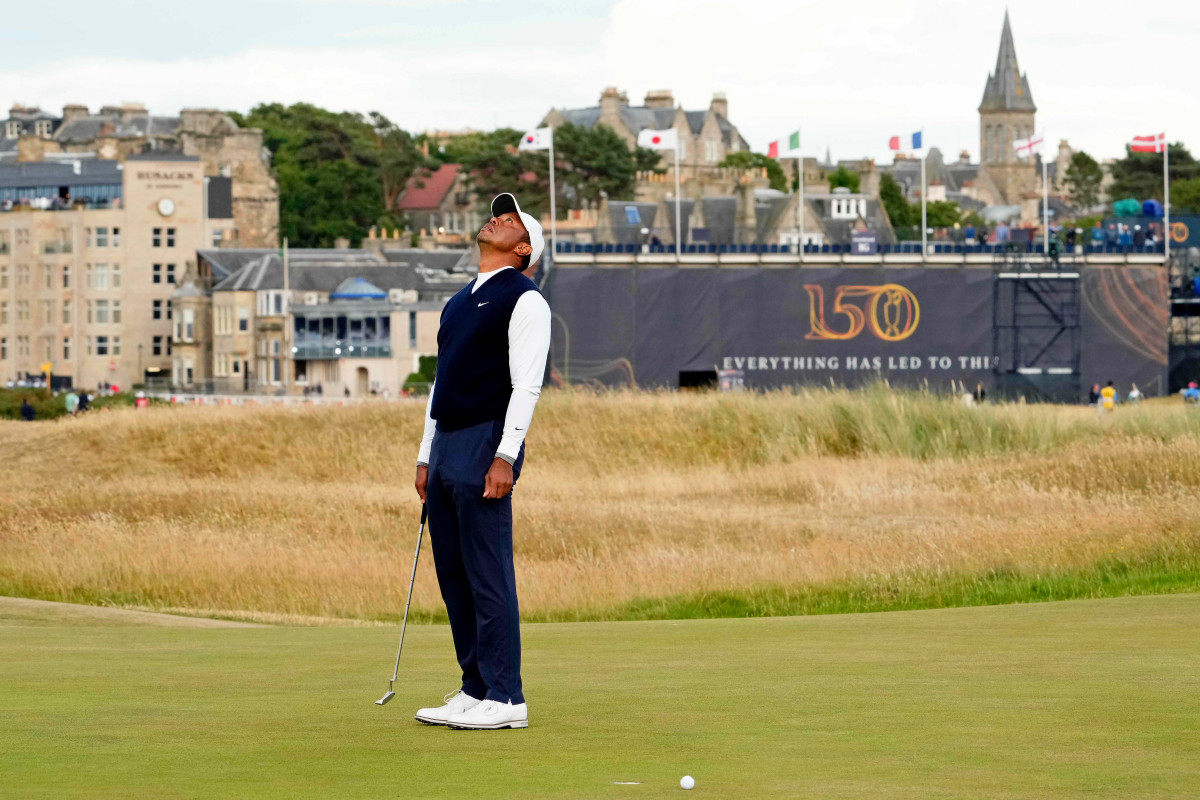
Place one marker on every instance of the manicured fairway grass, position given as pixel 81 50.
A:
pixel 1094 698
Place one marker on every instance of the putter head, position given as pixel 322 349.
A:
pixel 383 700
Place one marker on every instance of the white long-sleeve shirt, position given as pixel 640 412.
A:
pixel 528 346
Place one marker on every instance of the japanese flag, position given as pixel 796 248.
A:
pixel 538 139
pixel 658 140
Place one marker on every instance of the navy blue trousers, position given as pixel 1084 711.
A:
pixel 473 555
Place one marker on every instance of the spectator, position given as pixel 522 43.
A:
pixel 1072 233
pixel 980 392
pixel 141 401
pixel 1111 237
pixel 1139 237
pixel 1094 395
pixel 1135 394
pixel 1098 235
pixel 1002 234
pixel 970 233
pixel 84 402
pixel 1108 397
pixel 72 402
pixel 1125 237
pixel 1192 393
pixel 27 412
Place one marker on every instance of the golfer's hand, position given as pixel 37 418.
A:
pixel 422 480
pixel 499 480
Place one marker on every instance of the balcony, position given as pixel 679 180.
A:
pixel 50 248
pixel 328 350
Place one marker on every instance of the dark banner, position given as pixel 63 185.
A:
pixel 846 326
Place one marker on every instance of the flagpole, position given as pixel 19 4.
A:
pixel 924 192
pixel 553 209
pixel 1166 202
pixel 287 339
pixel 800 205
pixel 1045 209
pixel 678 200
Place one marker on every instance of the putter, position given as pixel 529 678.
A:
pixel 412 579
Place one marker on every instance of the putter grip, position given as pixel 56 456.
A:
pixel 424 513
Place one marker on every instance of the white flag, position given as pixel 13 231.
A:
pixel 1025 148
pixel 658 140
pixel 538 139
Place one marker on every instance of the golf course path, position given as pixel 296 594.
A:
pixel 22 611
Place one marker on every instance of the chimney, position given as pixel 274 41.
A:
pixel 660 98
pixel 73 111
pixel 610 101
pixel 719 105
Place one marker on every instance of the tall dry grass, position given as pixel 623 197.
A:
pixel 274 513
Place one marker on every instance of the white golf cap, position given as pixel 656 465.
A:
pixel 506 203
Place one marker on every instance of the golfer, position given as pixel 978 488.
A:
pixel 492 347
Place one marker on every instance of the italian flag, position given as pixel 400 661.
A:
pixel 793 144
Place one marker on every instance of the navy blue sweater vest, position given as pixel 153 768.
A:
pixel 473 380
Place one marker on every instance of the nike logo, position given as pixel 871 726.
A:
pixel 485 302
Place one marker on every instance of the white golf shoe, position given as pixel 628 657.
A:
pixel 456 703
pixel 491 715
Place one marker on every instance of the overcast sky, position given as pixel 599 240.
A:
pixel 848 74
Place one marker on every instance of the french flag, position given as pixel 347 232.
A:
pixel 894 142
pixel 1155 143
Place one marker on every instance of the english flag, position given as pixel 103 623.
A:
pixel 537 139
pixel 1025 148
pixel 1156 143
pixel 658 140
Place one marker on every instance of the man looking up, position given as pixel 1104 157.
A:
pixel 492 347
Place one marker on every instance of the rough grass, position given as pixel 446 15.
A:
pixel 632 505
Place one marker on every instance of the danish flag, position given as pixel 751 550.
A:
pixel 1156 143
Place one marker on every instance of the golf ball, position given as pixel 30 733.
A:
pixel 687 782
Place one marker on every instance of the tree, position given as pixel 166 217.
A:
pixel 898 209
pixel 1082 180
pixel 744 159
pixel 842 177
pixel 338 173
pixel 648 160
pixel 1185 196
pixel 594 161
pixel 941 214
pixel 494 165
pixel 1140 175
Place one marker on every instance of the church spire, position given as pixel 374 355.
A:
pixel 1007 89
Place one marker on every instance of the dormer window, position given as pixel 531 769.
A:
pixel 12 129
pixel 43 127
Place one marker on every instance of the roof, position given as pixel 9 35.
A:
pixel 87 128
pixel 427 190
pixel 640 118
pixel 1007 89
pixel 154 155
pixel 357 289
pixel 85 171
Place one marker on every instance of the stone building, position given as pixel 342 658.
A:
pixel 233 158
pixel 349 320
pixel 440 206
pixel 705 135
pixel 90 254
pixel 1006 114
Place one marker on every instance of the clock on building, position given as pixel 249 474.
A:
pixel 166 206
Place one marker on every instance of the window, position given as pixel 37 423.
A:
pixel 47 312
pixel 66 312
pixel 101 312
pixel 301 369
pixel 116 345
pixel 43 127
pixel 236 367
pixel 22 311
pixel 48 348
pixel 243 319
pixel 189 324
pixel 171 240
pixel 101 237
pixel 116 276
pixel 99 277
pixel 12 130
pixel 216 237
pixel 116 237
pixel 22 235
pixel 156 274
pixel 89 239
pixel 22 274
pixel 90 312
pixel 187 370
pixel 276 370
pixel 170 273
pixel 3 312
pixel 116 312
pixel 48 274
pixel 157 312
pixel 3 348
pixel 168 347
pixel 4 277
pixel 101 345
pixel 91 345
pixel 156 238
pixel 711 151
pixel 412 330
pixel 156 347
pixel 22 345
pixel 66 348
pixel 66 273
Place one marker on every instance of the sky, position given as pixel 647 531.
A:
pixel 848 75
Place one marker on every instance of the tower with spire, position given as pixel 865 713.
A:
pixel 1006 114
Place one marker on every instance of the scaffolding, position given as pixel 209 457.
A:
pixel 1036 314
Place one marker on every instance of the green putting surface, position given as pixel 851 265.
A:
pixel 1095 698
